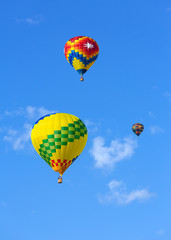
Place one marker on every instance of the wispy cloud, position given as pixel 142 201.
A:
pixel 91 126
pixel 168 9
pixel 4 204
pixel 33 112
pixel 119 195
pixel 19 137
pixel 156 129
pixel 151 114
pixel 168 96
pixel 17 112
pixel 160 232
pixel 29 112
pixel 155 87
pixel 33 20
pixel 107 157
pixel 33 211
pixel 30 20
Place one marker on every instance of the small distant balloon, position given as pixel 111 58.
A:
pixel 137 128
pixel 81 52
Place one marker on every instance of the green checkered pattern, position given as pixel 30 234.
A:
pixel 61 137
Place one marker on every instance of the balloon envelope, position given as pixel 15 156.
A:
pixel 81 52
pixel 137 128
pixel 59 138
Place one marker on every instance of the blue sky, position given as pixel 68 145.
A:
pixel 119 187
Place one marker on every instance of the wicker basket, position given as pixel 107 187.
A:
pixel 59 180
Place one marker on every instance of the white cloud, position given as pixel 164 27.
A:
pixel 19 139
pixel 155 87
pixel 160 232
pixel 117 151
pixel 156 129
pixel 35 112
pixel 31 20
pixel 43 111
pixel 118 194
pixel 4 204
pixel 151 114
pixel 91 126
pixel 168 95
pixel 30 112
pixel 109 131
pixel 17 112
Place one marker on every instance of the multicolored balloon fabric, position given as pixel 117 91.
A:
pixel 137 128
pixel 81 52
pixel 59 138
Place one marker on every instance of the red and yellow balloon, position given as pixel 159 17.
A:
pixel 81 52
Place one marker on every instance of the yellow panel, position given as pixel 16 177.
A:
pixel 78 65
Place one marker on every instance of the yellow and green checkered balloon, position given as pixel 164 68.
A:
pixel 59 138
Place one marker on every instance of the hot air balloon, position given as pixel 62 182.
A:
pixel 137 128
pixel 59 138
pixel 81 52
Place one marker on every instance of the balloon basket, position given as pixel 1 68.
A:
pixel 59 179
pixel 82 79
